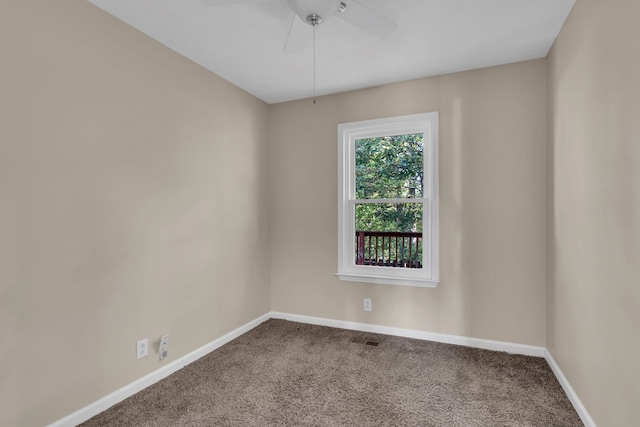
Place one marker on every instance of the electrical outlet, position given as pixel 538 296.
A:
pixel 367 304
pixel 164 344
pixel 142 349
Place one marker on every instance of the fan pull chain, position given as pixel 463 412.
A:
pixel 314 62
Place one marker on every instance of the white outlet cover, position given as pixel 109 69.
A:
pixel 142 349
pixel 164 343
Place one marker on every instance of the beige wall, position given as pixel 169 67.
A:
pixel 133 202
pixel 593 295
pixel 492 206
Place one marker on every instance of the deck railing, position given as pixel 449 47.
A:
pixel 389 249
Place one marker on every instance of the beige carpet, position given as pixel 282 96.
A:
pixel 291 374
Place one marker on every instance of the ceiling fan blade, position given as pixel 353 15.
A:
pixel 225 2
pixel 298 35
pixel 368 19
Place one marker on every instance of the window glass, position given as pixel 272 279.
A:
pixel 389 235
pixel 389 167
pixel 403 217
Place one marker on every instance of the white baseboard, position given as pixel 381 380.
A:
pixel 527 350
pixel 570 392
pixel 119 395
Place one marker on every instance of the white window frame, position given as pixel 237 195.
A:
pixel 348 133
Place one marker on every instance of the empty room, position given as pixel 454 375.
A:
pixel 319 213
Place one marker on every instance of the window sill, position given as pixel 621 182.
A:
pixel 387 280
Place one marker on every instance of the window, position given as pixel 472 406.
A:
pixel 388 200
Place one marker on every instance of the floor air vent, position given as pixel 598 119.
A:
pixel 365 342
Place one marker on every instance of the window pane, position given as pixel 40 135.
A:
pixel 389 167
pixel 389 217
pixel 389 234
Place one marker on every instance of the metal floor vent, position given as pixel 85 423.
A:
pixel 365 342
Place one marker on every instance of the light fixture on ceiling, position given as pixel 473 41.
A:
pixel 314 8
pixel 313 12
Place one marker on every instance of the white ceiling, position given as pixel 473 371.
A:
pixel 243 40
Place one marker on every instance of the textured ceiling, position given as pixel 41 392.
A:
pixel 243 40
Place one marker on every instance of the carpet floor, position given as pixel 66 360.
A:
pixel 284 373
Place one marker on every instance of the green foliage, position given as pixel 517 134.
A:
pixel 389 217
pixel 389 167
